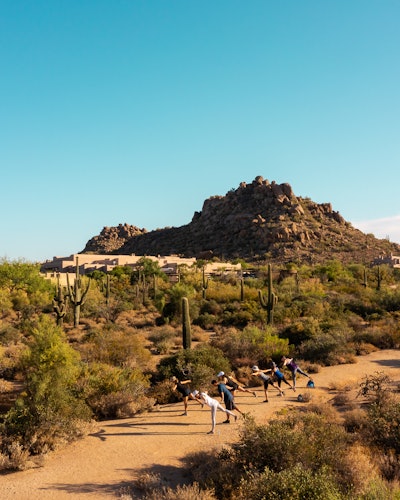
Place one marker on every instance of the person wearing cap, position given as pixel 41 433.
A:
pixel 214 406
pixel 293 368
pixel 184 390
pixel 227 398
pixel 233 385
pixel 267 380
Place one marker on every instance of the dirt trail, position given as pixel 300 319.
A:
pixel 119 451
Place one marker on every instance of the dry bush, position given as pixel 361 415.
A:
pixel 245 362
pixel 364 348
pixel 389 465
pixel 137 318
pixel 309 367
pixel 306 397
pixel 376 388
pixel 115 346
pixel 342 399
pixel 5 386
pixel 14 457
pixel 354 420
pixel 212 468
pixel 185 492
pixel 10 361
pixel 243 375
pixel 341 358
pixel 342 385
pixel 325 410
pixel 358 469
pixel 163 338
pixel 154 487
pixel 120 404
pixel 198 334
pixel 162 392
pixel 148 482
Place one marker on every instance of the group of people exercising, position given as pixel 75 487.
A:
pixel 228 385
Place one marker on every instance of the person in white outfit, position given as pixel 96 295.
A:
pixel 214 406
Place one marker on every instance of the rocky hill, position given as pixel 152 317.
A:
pixel 111 239
pixel 257 221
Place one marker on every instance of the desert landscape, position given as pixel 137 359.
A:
pixel 116 453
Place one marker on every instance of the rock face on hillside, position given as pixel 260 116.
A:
pixel 111 239
pixel 261 220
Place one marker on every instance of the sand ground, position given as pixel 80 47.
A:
pixel 117 452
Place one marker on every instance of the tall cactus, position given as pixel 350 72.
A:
pixel 365 282
pixel 269 302
pixel 155 288
pixel 186 329
pixel 76 296
pixel 378 278
pixel 142 287
pixel 107 289
pixel 241 281
pixel 204 284
pixel 59 303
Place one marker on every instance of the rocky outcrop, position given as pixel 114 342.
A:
pixel 260 220
pixel 111 239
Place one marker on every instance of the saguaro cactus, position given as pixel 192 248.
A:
pixel 269 302
pixel 186 330
pixel 378 278
pixel 155 289
pixel 204 284
pixel 241 281
pixel 365 282
pixel 59 303
pixel 142 287
pixel 107 289
pixel 76 296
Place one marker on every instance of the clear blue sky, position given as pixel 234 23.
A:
pixel 137 111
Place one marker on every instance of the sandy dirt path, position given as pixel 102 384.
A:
pixel 119 451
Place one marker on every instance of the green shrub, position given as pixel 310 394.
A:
pixel 241 314
pixel 113 392
pixel 252 344
pixel 297 483
pixel 301 455
pixel 200 365
pixel 49 409
pixel 381 334
pixel 211 469
pixel 328 348
pixel 118 346
pixel 163 339
pixel 301 330
pixel 308 439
